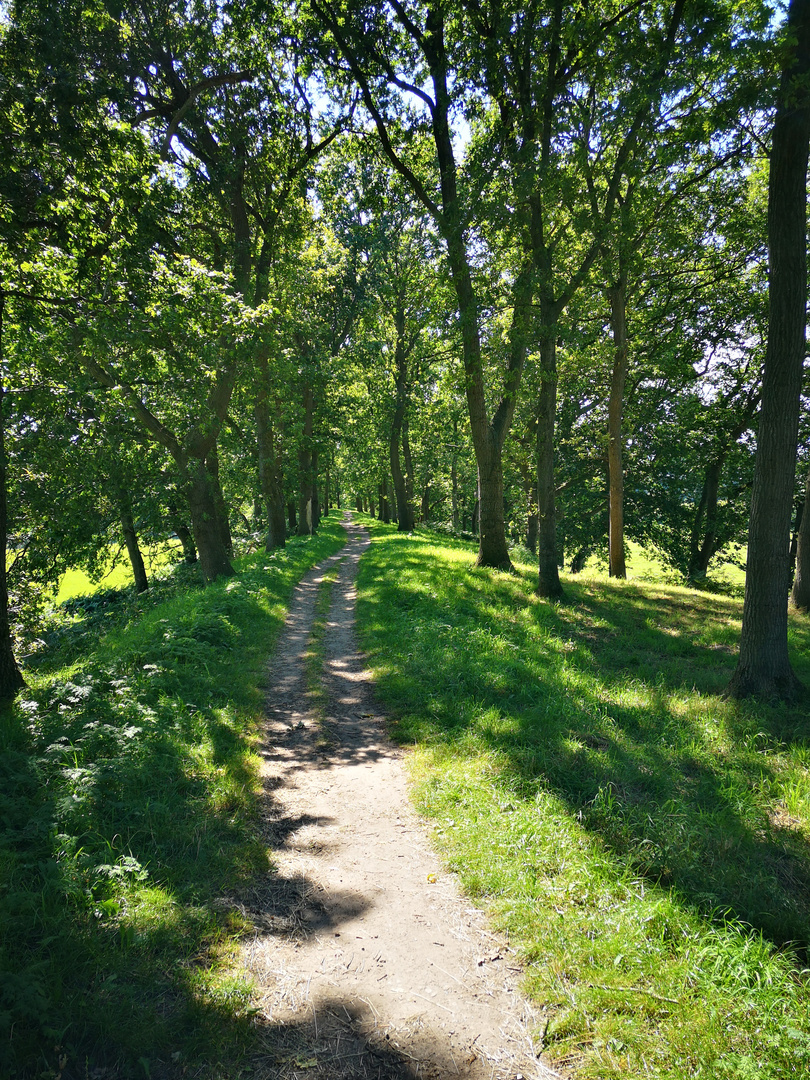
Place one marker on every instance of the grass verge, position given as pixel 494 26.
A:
pixel 644 843
pixel 128 811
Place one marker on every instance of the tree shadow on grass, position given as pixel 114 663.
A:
pixel 133 855
pixel 594 700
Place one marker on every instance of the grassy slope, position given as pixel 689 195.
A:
pixel 644 843
pixel 128 807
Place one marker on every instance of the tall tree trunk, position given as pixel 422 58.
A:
pixel 532 521
pixel 488 437
pixel 212 465
pixel 305 478
pixel 205 521
pixel 454 476
pixel 11 679
pixel 548 578
pixel 801 582
pixel 703 541
pixel 270 475
pixel 405 512
pixel 134 551
pixel 618 322
pixel 183 532
pixel 764 666
pixel 316 502
pixel 425 507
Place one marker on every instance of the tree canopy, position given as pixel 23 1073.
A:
pixel 501 267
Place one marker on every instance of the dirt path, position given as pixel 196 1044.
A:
pixel 367 961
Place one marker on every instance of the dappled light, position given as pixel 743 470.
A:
pixel 603 716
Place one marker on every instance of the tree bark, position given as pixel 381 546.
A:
pixel 487 437
pixel 11 679
pixel 801 582
pixel 271 480
pixel 212 467
pixel 454 477
pixel 205 522
pixel 183 535
pixel 134 551
pixel 405 511
pixel 618 321
pixel 763 666
pixel 704 541
pixel 306 484
pixel 548 578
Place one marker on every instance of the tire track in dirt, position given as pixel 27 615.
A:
pixel 367 961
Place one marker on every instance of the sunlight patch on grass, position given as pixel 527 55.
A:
pixel 642 840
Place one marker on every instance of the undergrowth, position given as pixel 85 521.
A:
pixel 644 842
pixel 128 811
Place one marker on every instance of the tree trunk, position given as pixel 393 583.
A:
pixel 475 517
pixel 270 475
pixel 212 466
pixel 11 679
pixel 548 578
pixel 205 523
pixel 579 560
pixel 531 531
pixel 801 582
pixel 764 666
pixel 703 544
pixel 316 502
pixel 618 321
pixel 134 551
pixel 306 497
pixel 454 477
pixel 405 511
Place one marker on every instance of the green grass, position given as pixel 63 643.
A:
pixel 118 573
pixel 128 811
pixel 644 843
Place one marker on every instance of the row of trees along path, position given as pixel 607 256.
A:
pixel 251 260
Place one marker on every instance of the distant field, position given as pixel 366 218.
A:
pixel 643 564
pixel 118 574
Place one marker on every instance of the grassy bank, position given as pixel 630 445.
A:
pixel 128 811
pixel 645 844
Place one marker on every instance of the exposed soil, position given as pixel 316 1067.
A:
pixel 368 961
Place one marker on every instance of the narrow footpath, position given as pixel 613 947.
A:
pixel 367 960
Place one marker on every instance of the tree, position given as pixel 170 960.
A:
pixel 764 666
